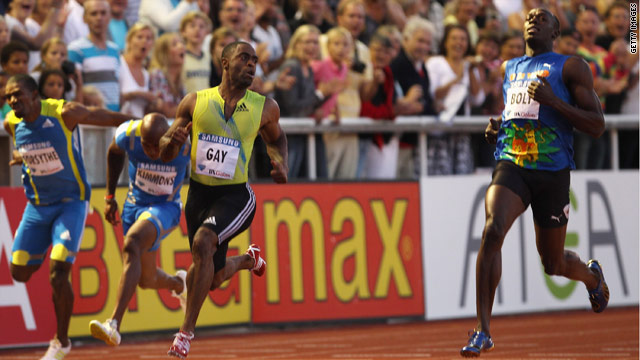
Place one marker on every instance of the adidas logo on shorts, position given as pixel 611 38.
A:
pixel 210 220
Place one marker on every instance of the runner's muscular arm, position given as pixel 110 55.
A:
pixel 176 136
pixel 115 164
pixel 17 158
pixel 586 115
pixel 74 113
pixel 276 141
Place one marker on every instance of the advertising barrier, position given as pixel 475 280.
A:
pixel 334 251
pixel 603 224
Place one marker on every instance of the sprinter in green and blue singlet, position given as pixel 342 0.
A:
pixel 46 137
pixel 546 96
pixel 223 123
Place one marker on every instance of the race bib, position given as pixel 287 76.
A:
pixel 520 106
pixel 41 159
pixel 217 156
pixel 155 180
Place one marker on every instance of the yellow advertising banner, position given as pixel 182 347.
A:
pixel 96 277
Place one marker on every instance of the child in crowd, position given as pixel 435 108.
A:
pixel 54 56
pixel 568 42
pixel 91 96
pixel 14 58
pixel 334 66
pixel 512 45
pixel 52 84
pixel 196 69
pixel 342 150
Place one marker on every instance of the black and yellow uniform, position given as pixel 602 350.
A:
pixel 219 196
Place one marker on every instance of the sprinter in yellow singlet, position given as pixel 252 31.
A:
pixel 223 123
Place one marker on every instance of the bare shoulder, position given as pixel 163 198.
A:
pixel 187 105
pixel 270 112
pixel 190 98
pixel 576 69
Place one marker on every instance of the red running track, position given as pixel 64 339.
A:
pixel 557 335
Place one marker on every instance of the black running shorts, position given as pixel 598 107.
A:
pixel 225 209
pixel 546 191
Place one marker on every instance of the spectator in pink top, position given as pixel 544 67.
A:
pixel 334 66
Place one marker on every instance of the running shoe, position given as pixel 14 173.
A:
pixel 259 265
pixel 56 351
pixel 478 341
pixel 183 295
pixel 599 296
pixel 181 345
pixel 106 331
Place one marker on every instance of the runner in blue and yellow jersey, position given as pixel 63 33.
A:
pixel 45 134
pixel 546 96
pixel 151 211
pixel 223 123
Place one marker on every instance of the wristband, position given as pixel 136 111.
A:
pixel 319 94
pixel 108 197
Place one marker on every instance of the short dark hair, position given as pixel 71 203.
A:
pixel 511 34
pixel 556 22
pixel 571 33
pixel 25 80
pixel 231 48
pixel 489 36
pixel 380 39
pixel 10 48
pixel 48 72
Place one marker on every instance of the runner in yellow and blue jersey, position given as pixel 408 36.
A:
pixel 223 123
pixel 45 134
pixel 546 96
pixel 151 211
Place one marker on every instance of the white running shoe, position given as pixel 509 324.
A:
pixel 183 295
pixel 106 331
pixel 56 351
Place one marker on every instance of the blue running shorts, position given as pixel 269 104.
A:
pixel 164 216
pixel 60 225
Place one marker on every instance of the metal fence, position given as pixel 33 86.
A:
pixel 96 140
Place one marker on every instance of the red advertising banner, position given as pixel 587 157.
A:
pixel 333 251
pixel 338 251
pixel 26 310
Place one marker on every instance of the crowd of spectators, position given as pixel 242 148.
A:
pixel 326 60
